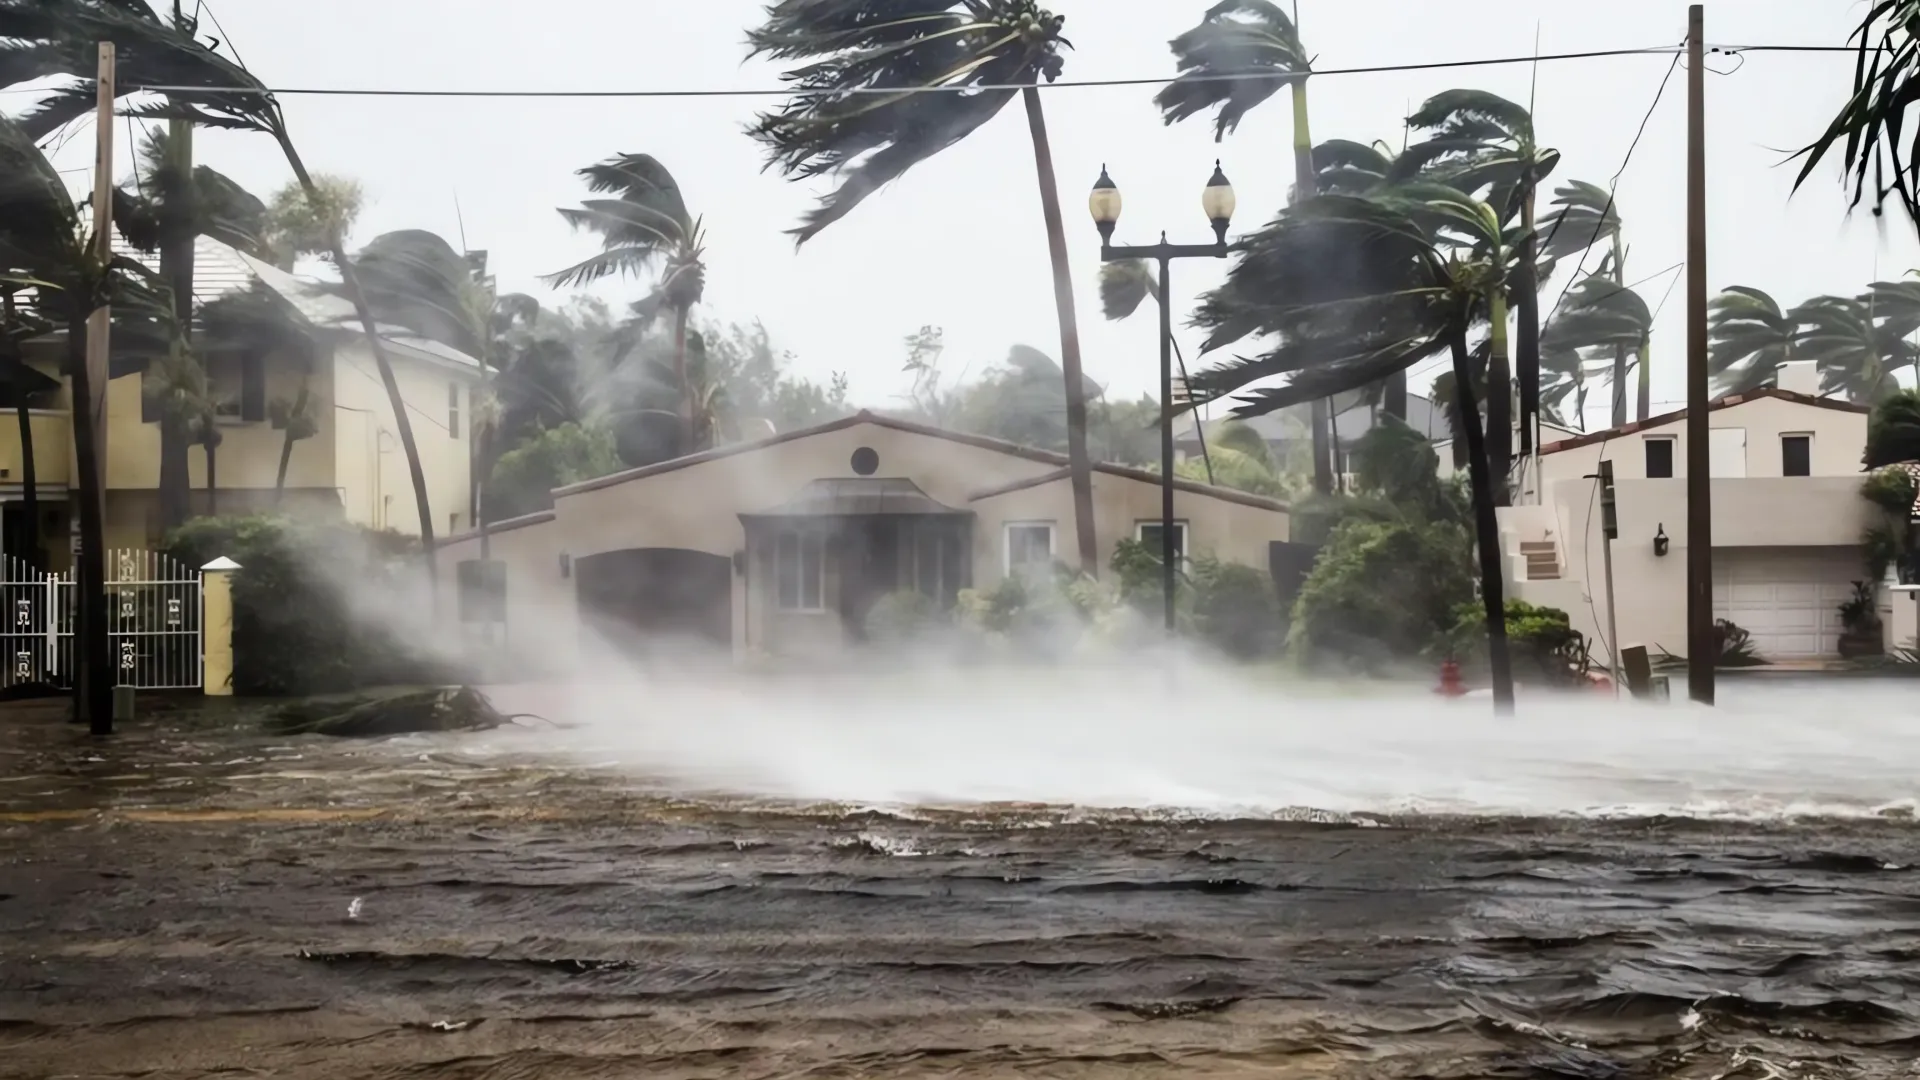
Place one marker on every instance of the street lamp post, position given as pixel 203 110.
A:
pixel 1218 202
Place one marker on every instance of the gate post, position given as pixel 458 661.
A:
pixel 216 627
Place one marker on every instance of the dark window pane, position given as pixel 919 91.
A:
pixel 253 387
pixel 1659 459
pixel 1796 455
pixel 786 570
pixel 812 560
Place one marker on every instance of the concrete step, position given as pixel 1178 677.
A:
pixel 1531 547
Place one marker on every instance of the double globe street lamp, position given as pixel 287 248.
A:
pixel 1217 200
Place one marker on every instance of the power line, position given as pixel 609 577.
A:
pixel 1064 84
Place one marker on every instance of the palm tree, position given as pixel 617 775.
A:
pixel 1355 287
pixel 43 241
pixel 260 320
pixel 1479 141
pixel 415 279
pixel 1752 339
pixel 1600 315
pixel 1582 216
pixel 976 50
pixel 205 88
pixel 1124 286
pixel 1855 357
pixel 18 324
pixel 1869 127
pixel 645 224
pixel 162 210
pixel 1242 53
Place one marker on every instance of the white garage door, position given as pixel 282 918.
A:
pixel 1787 598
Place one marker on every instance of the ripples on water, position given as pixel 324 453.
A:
pixel 1094 874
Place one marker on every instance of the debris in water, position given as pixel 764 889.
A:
pixel 353 909
pixel 460 708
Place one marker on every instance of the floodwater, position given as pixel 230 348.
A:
pixel 1114 873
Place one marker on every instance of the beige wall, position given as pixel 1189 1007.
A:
pixel 698 507
pixel 370 467
pixel 1234 532
pixel 1838 437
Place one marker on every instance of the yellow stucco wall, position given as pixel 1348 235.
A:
pixel 369 465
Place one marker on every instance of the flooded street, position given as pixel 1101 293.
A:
pixel 195 898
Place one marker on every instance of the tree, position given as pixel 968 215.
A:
pixel 1477 142
pixel 1355 287
pixel 1871 125
pixel 1855 356
pixel 163 209
pixel 1582 216
pixel 257 320
pixel 1602 317
pixel 19 324
pixel 646 224
pixel 833 125
pixel 1241 54
pixel 299 223
pixel 1381 593
pixel 204 88
pixel 1752 339
pixel 524 478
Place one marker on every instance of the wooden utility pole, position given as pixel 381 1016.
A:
pixel 95 703
pixel 1702 647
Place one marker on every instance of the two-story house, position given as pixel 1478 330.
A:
pixel 1787 523
pixel 352 467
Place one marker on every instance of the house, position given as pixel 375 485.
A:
pixel 353 466
pixel 1289 434
pixel 1787 523
pixel 781 546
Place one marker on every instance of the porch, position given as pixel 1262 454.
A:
pixel 816 565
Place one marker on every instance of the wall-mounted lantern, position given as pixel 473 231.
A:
pixel 566 565
pixel 1660 541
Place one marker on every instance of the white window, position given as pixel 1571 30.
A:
pixel 1029 547
pixel 799 571
pixel 1148 533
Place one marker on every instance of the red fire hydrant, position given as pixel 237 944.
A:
pixel 1450 684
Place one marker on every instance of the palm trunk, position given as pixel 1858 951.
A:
pixel 1527 304
pixel 294 414
pixel 95 689
pixel 1079 464
pixel 29 486
pixel 1619 385
pixel 1645 392
pixel 213 486
pixel 1499 432
pixel 176 267
pixel 1304 187
pixel 688 439
pixel 336 247
pixel 1486 527
pixel 1333 442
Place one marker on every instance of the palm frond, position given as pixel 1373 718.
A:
pixel 1252 39
pixel 1124 286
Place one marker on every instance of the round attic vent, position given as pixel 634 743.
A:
pixel 866 461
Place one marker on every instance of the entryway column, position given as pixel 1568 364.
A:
pixel 216 627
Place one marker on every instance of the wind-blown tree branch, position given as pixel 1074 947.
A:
pixel 1600 315
pixel 1873 130
pixel 645 225
pixel 972 47
pixel 1353 288
pixel 1124 286
pixel 204 88
pixel 260 320
pixel 1242 53
pixel 1481 142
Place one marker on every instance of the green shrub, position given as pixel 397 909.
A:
pixel 1381 592
pixel 1543 645
pixel 1235 609
pixel 294 632
pixel 904 616
pixel 525 476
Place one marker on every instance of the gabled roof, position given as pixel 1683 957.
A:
pixel 1726 402
pixel 999 446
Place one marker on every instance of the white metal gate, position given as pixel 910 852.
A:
pixel 154 617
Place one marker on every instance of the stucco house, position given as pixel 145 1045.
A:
pixel 351 468
pixel 781 546
pixel 1787 523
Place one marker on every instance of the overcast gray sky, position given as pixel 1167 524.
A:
pixel 958 243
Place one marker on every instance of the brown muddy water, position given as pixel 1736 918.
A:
pixel 194 898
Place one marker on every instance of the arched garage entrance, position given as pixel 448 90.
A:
pixel 643 594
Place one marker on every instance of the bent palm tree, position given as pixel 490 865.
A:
pixel 1855 357
pixel 1752 339
pixel 1241 54
pixel 976 49
pixel 1479 141
pixel 1124 286
pixel 1583 215
pixel 204 88
pixel 645 224
pixel 1355 288
pixel 1599 314
pixel 1872 124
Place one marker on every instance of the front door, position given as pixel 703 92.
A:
pixel 870 569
